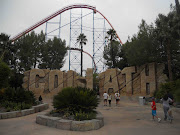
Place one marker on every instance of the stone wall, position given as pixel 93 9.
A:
pixel 47 82
pixel 142 80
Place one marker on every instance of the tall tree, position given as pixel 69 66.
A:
pixel 112 50
pixel 168 33
pixel 81 39
pixel 177 7
pixel 53 53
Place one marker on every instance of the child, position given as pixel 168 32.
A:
pixel 153 106
pixel 109 99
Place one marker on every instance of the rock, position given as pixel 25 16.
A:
pixel 11 114
pixel 4 115
pixel 64 124
pixel 42 119
pixel 52 121
pixel 85 125
pixel 18 114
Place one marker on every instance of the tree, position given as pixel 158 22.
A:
pixel 53 52
pixel 4 74
pixel 111 54
pixel 177 7
pixel 81 39
pixel 140 49
pixel 168 34
pixel 29 50
pixel 112 50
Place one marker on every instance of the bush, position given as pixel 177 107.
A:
pixel 172 88
pixel 79 116
pixel 4 74
pixel 75 100
pixel 16 99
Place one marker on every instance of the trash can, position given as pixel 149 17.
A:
pixel 142 100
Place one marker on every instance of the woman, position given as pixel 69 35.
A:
pixel 166 107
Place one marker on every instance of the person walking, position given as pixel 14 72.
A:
pixel 109 99
pixel 105 95
pixel 166 100
pixel 117 97
pixel 153 107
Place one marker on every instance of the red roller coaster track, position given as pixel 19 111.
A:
pixel 57 13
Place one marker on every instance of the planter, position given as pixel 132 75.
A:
pixel 57 122
pixel 34 109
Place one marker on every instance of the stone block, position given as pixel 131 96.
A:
pixel 46 106
pixel 0 115
pixel 41 107
pixel 64 124
pixel 25 112
pixel 18 114
pixel 85 125
pixel 36 109
pixel 42 119
pixel 32 110
pixel 11 114
pixel 3 115
pixel 52 121
pixel 100 117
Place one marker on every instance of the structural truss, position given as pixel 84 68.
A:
pixel 71 21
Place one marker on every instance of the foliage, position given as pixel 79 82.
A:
pixel 4 74
pixel 81 39
pixel 74 100
pixel 13 98
pixel 15 79
pixel 112 52
pixel 158 42
pixel 12 106
pixel 172 88
pixel 32 51
pixel 79 116
pixel 53 53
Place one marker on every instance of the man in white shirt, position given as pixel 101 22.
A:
pixel 105 95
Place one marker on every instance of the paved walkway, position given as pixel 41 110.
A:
pixel 129 118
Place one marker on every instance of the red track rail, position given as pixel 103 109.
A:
pixel 77 49
pixel 57 13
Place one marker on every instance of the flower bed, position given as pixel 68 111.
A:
pixel 64 124
pixel 25 112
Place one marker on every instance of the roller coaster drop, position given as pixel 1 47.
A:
pixel 98 44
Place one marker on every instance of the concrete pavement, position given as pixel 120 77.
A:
pixel 129 118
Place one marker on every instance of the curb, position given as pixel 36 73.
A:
pixel 25 112
pixel 59 123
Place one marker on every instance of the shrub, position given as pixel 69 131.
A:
pixel 75 100
pixel 4 74
pixel 79 116
pixel 172 88
pixel 17 99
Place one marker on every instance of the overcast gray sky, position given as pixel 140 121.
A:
pixel 124 15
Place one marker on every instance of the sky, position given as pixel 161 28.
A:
pixel 124 15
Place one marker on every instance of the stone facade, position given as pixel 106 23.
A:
pixel 142 80
pixel 47 83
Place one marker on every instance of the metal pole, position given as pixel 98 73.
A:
pixel 60 26
pixel 46 32
pixel 93 41
pixel 81 47
pixel 70 44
